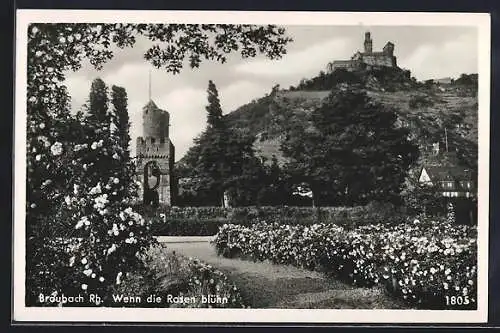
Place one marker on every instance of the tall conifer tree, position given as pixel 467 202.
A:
pixel 119 101
pixel 222 159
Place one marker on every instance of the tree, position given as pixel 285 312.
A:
pixel 272 191
pixel 350 151
pixel 54 137
pixel 214 111
pixel 428 84
pixel 119 101
pixel 98 102
pixel 222 159
pixel 425 199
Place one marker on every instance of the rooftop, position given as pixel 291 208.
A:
pixel 452 173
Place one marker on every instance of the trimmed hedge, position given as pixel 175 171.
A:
pixel 280 213
pixel 206 221
pixel 186 227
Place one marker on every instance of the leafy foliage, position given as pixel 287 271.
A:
pixel 422 199
pixel 222 159
pixel 419 101
pixel 467 80
pixel 254 117
pixel 387 78
pixel 327 81
pixel 67 156
pixel 350 151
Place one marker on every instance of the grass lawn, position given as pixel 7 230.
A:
pixel 266 285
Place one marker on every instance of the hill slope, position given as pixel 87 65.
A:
pixel 426 108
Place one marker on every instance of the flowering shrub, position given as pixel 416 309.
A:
pixel 170 274
pixel 78 178
pixel 206 280
pixel 425 263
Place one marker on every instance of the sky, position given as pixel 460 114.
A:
pixel 428 52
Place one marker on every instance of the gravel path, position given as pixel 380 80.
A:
pixel 266 285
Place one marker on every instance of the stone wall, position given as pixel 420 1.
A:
pixel 345 64
pixel 155 122
pixel 378 60
pixel 368 57
pixel 165 163
pixel 155 145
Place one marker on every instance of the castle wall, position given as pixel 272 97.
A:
pixel 385 58
pixel 155 122
pixel 378 60
pixel 164 158
pixel 345 64
pixel 152 146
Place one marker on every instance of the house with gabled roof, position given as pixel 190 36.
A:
pixel 452 181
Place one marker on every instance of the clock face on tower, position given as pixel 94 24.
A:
pixel 151 175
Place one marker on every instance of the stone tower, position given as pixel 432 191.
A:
pixel 368 43
pixel 155 157
pixel 388 49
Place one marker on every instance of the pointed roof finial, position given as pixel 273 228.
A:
pixel 149 84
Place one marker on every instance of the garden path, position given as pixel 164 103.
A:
pixel 266 285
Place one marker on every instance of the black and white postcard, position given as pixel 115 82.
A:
pixel 251 167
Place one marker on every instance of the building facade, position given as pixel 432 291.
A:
pixel 155 155
pixel 368 58
pixel 451 181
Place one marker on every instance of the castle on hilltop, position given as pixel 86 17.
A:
pixel 155 157
pixel 367 59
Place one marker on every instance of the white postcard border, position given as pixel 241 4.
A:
pixel 22 313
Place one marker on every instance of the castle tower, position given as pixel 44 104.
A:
pixel 155 156
pixel 368 43
pixel 388 49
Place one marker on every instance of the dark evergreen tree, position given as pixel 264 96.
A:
pixel 98 102
pixel 222 159
pixel 119 101
pixel 214 110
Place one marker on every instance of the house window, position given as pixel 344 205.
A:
pixel 466 184
pixel 447 184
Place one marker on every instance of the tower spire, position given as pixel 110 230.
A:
pixel 149 86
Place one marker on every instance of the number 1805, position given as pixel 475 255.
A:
pixel 457 300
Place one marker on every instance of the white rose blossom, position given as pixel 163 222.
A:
pixel 56 149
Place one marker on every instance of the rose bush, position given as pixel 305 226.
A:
pixel 167 273
pixel 78 177
pixel 425 263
